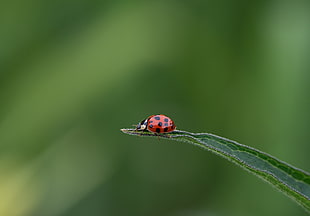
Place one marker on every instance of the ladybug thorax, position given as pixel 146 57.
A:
pixel 142 125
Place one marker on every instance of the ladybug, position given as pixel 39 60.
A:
pixel 157 124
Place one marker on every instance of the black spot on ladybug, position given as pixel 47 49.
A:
pixel 160 124
pixel 151 121
pixel 166 120
pixel 150 125
pixel 166 124
pixel 165 129
pixel 158 130
pixel 157 117
pixel 172 127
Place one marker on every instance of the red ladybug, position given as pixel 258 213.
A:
pixel 157 124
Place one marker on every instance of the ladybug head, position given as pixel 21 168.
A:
pixel 142 125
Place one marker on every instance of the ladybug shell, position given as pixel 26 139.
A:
pixel 160 124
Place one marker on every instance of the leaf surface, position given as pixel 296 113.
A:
pixel 293 182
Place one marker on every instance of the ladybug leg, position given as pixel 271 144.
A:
pixel 162 135
pixel 158 135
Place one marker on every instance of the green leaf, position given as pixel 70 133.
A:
pixel 293 182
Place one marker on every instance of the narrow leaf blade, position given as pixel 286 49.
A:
pixel 293 182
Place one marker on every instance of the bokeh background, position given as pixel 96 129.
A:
pixel 72 73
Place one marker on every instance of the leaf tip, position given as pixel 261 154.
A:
pixel 125 130
pixel 130 131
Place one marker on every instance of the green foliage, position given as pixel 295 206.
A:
pixel 73 72
pixel 293 182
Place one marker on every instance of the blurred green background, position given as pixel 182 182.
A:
pixel 72 73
